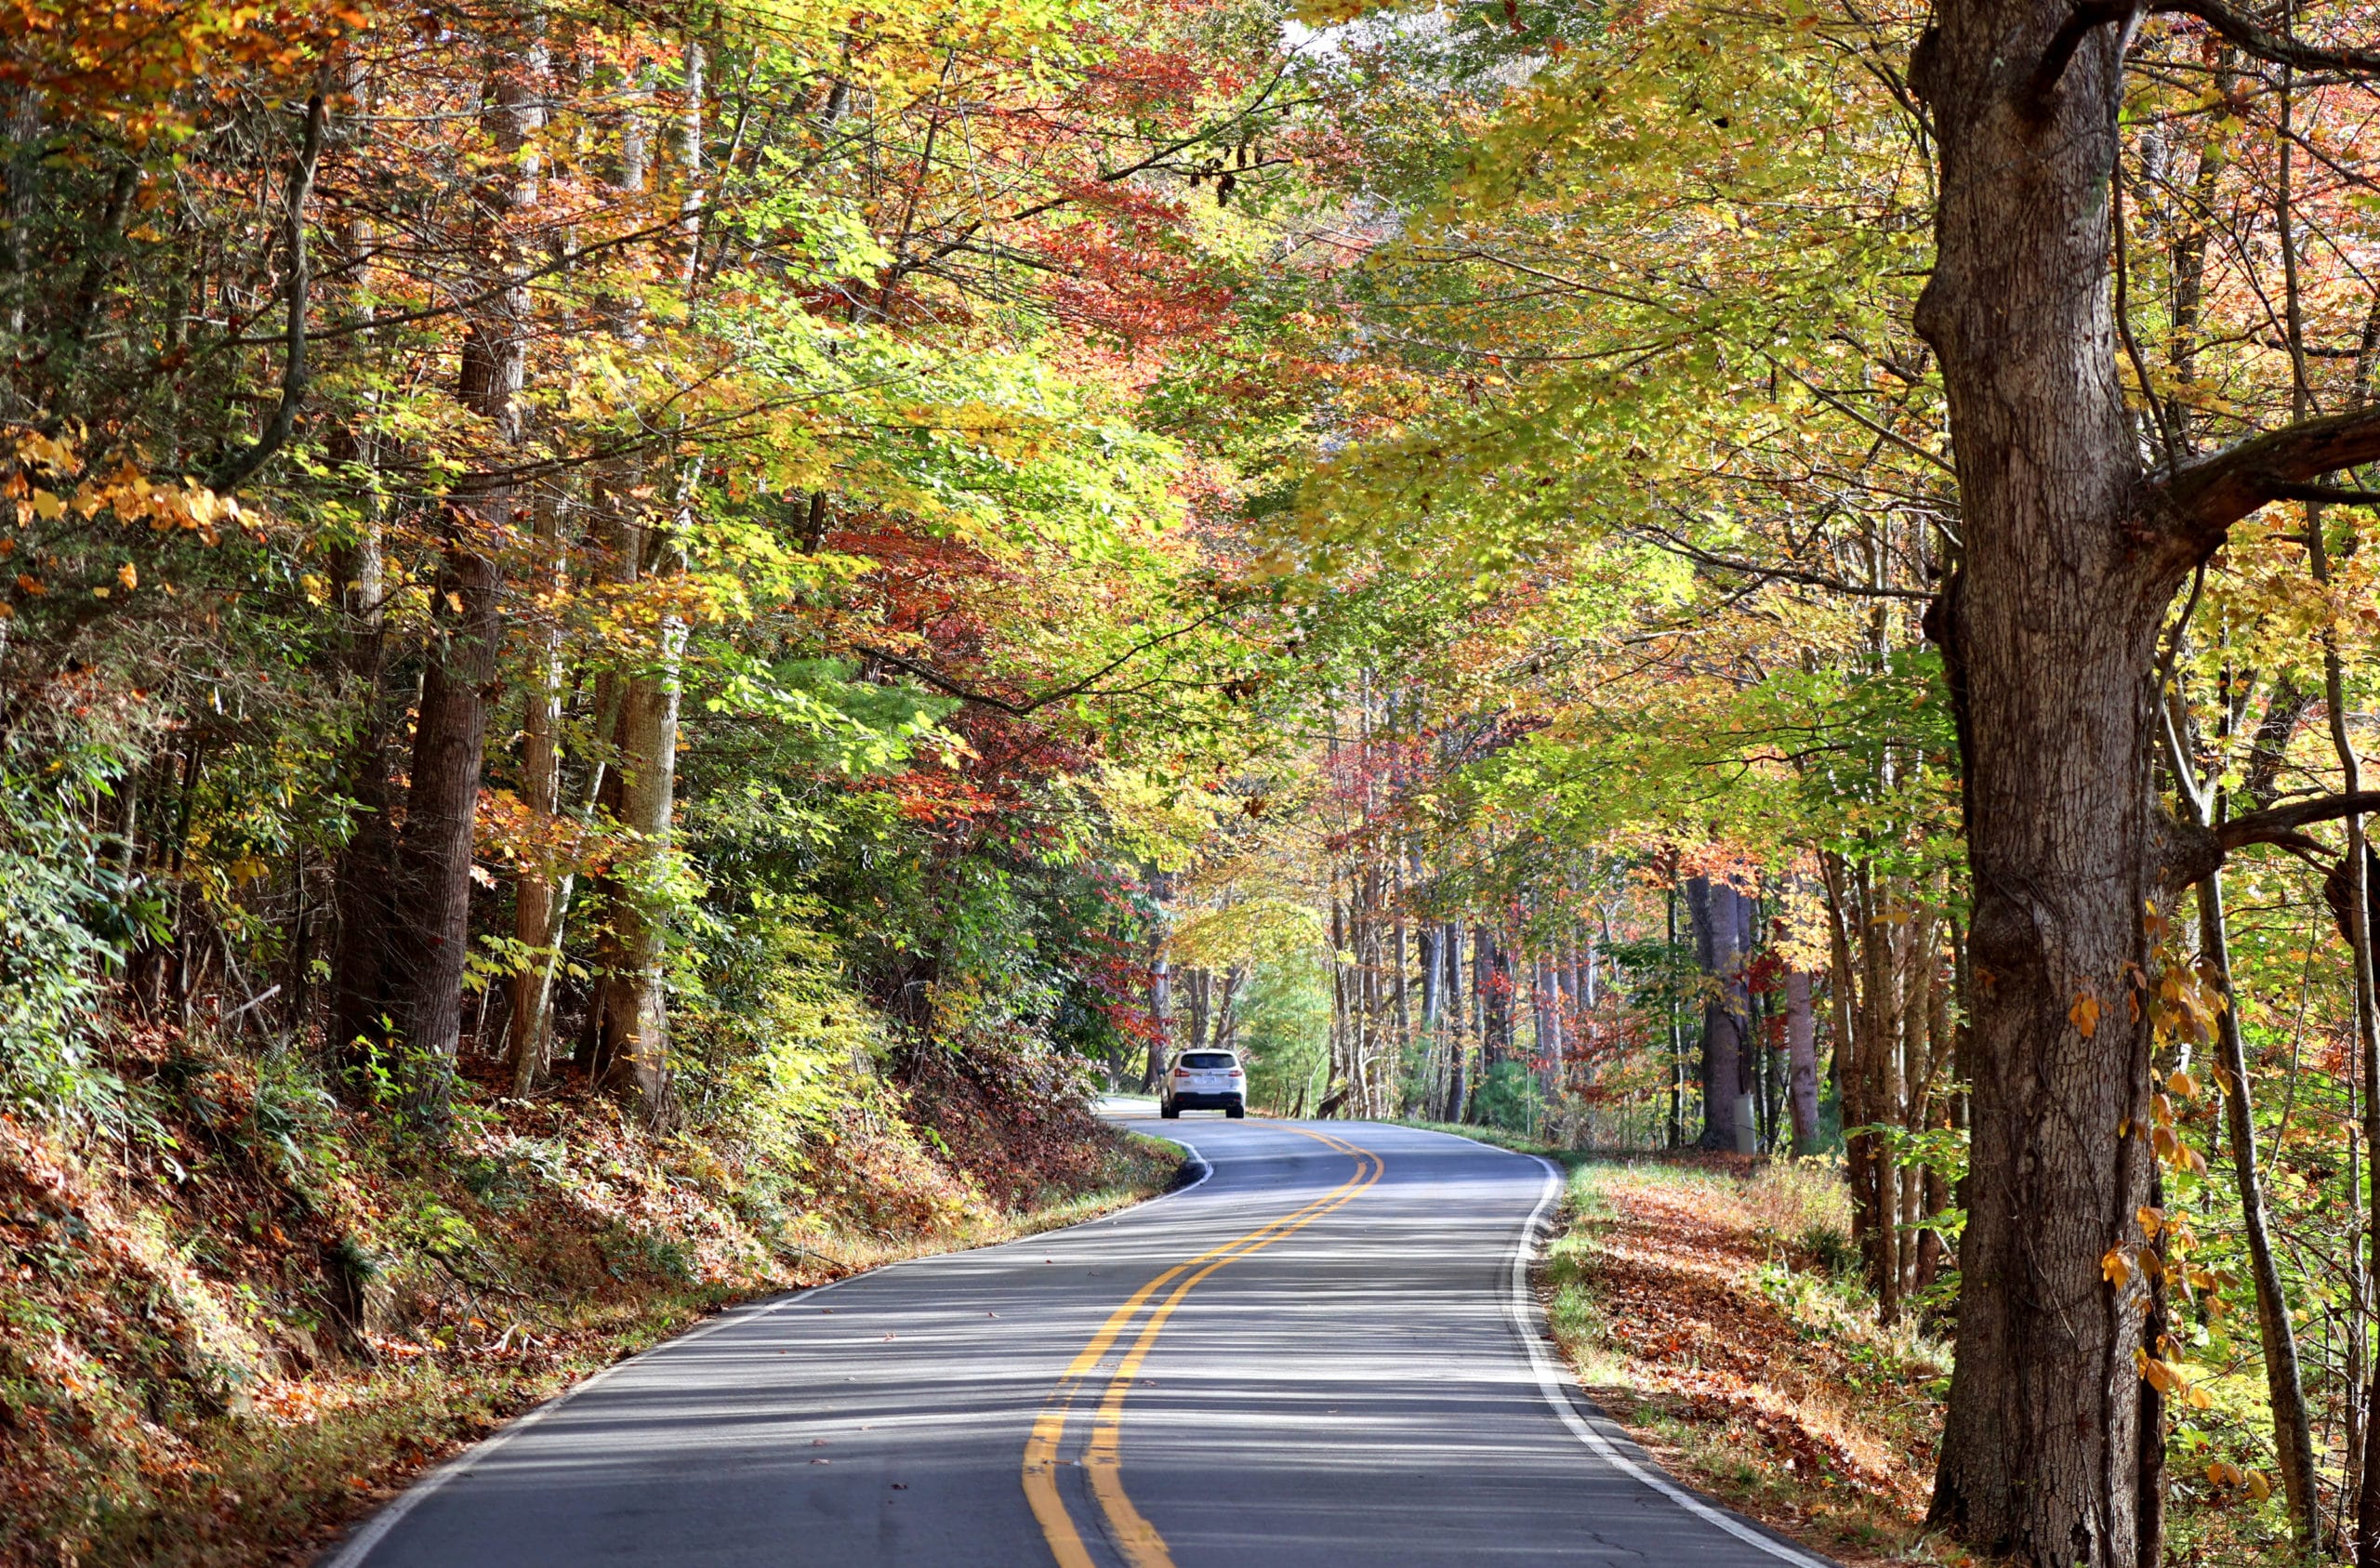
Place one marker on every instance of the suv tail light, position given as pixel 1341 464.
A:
pixel 1182 1071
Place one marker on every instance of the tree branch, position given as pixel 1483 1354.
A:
pixel 1663 539
pixel 293 362
pixel 2085 17
pixel 2277 824
pixel 2327 494
pixel 1023 709
pixel 2212 494
pixel 2245 34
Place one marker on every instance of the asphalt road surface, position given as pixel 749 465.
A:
pixel 1321 1353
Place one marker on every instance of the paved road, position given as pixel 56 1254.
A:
pixel 1314 1356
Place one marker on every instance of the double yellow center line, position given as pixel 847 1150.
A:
pixel 1103 1457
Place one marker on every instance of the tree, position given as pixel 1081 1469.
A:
pixel 2072 550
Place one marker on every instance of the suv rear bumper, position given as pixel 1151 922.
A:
pixel 1188 1100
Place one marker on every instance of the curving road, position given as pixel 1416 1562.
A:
pixel 1321 1353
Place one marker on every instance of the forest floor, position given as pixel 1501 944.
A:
pixel 237 1317
pixel 1712 1305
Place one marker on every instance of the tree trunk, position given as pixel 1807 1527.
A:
pixel 1457 1035
pixel 434 875
pixel 2048 626
pixel 2292 1428
pixel 450 733
pixel 633 999
pixel 1802 1055
pixel 1717 914
pixel 537 912
pixel 363 893
pixel 1160 1022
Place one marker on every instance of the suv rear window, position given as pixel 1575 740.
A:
pixel 1208 1059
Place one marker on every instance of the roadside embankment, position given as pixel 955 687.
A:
pixel 237 1315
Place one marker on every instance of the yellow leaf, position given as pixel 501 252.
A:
pixel 129 575
pixel 2198 1398
pixel 2258 1487
pixel 2116 1267
pixel 2183 1085
pixel 2084 1014
pixel 2150 1219
pixel 49 507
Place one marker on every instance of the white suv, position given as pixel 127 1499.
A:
pixel 1206 1080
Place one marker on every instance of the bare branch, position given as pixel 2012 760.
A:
pixel 2212 494
pixel 2252 37
pixel 1021 708
pixel 2277 824
pixel 1661 538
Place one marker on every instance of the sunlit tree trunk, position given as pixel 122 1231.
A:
pixel 1802 1056
pixel 536 916
pixel 633 997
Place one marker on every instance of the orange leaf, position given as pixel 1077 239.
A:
pixel 2084 1014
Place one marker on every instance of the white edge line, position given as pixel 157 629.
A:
pixel 1548 1383
pixel 358 1546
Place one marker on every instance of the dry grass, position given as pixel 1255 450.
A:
pixel 1699 1303
pixel 1712 1307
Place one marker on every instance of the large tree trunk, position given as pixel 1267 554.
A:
pixel 434 873
pixel 2048 626
pixel 450 734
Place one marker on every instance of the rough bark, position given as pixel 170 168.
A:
pixel 362 898
pixel 2048 626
